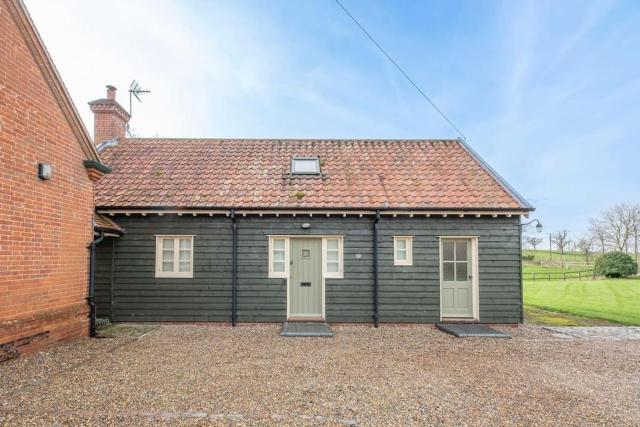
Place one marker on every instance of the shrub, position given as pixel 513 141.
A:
pixel 615 264
pixel 528 257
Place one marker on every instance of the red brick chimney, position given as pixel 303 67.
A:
pixel 110 118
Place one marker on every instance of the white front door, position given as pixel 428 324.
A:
pixel 456 278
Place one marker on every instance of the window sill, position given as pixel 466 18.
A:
pixel 174 276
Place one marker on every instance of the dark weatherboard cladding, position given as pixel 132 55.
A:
pixel 127 289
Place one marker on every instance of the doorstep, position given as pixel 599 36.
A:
pixel 449 320
pixel 469 330
pixel 306 329
pixel 312 319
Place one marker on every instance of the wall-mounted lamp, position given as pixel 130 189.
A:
pixel 45 171
pixel 306 225
pixel 538 225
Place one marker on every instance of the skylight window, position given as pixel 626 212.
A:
pixel 305 166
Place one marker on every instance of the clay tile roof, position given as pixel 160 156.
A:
pixel 366 174
pixel 106 224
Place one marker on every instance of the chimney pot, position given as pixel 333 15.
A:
pixel 111 92
pixel 110 118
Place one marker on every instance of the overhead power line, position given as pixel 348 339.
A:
pixel 406 76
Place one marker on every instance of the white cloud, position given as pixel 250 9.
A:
pixel 196 63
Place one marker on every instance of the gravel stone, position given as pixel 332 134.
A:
pixel 602 332
pixel 249 375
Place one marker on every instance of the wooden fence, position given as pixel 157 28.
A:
pixel 584 274
pixel 566 264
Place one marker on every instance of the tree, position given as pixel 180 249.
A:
pixel 620 221
pixel 636 229
pixel 617 228
pixel 585 245
pixel 561 240
pixel 598 231
pixel 534 242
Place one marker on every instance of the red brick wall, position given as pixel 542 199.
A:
pixel 110 118
pixel 45 226
pixel 108 125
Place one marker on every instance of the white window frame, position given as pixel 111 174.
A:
pixel 409 250
pixel 176 273
pixel 279 274
pixel 314 159
pixel 335 274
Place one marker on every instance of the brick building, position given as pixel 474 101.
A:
pixel 48 166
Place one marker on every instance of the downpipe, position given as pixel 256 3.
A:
pixel 92 285
pixel 376 313
pixel 234 268
pixel 521 272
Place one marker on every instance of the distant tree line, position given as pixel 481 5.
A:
pixel 617 228
pixel 614 229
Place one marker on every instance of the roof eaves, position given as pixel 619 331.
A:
pixel 103 208
pixel 496 176
pixel 97 165
pixel 108 230
pixel 110 227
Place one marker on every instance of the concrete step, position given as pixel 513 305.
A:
pixel 306 329
pixel 462 330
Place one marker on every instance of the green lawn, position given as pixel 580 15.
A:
pixel 615 300
pixel 555 255
pixel 543 255
pixel 539 316
pixel 527 269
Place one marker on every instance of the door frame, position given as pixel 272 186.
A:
pixel 322 238
pixel 322 315
pixel 475 279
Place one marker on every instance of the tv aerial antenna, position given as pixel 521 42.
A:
pixel 135 90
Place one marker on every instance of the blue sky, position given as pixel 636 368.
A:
pixel 547 92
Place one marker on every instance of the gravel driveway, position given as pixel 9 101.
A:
pixel 202 375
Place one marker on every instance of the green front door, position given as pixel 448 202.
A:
pixel 305 281
pixel 457 283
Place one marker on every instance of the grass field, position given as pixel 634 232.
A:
pixel 543 255
pixel 527 269
pixel 614 300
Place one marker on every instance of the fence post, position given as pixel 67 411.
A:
pixel 579 275
pixel 549 276
pixel 564 276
